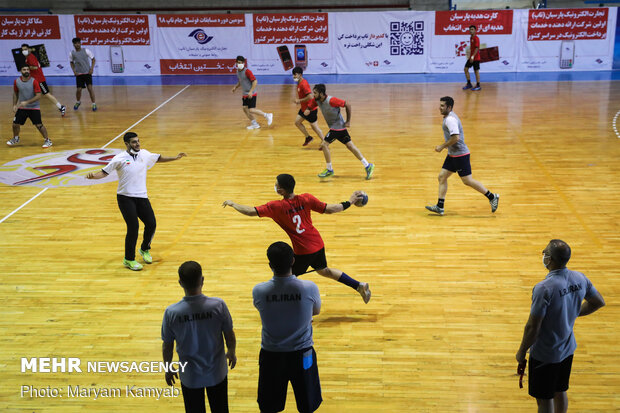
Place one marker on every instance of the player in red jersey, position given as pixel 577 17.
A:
pixel 473 60
pixel 304 96
pixel 293 214
pixel 37 74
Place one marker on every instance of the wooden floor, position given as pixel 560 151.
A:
pixel 451 294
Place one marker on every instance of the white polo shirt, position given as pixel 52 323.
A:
pixel 131 170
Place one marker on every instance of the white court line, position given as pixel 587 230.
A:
pixel 615 125
pixel 122 133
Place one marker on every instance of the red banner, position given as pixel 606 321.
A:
pixel 290 28
pixel 486 22
pixel 112 30
pixel 197 66
pixel 567 24
pixel 197 20
pixel 29 27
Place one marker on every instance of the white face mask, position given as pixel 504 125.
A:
pixel 296 80
pixel 131 151
pixel 25 52
pixel 275 187
pixel 543 260
pixel 240 66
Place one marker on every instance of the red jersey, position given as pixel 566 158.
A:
pixel 37 74
pixel 294 217
pixel 474 43
pixel 303 90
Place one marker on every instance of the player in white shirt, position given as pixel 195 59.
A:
pixel 131 166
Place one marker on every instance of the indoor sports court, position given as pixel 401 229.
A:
pixel 450 294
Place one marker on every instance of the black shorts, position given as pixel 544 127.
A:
pixel 22 114
pixel 315 260
pixel 82 80
pixel 277 369
pixel 546 379
pixel 475 64
pixel 44 88
pixel 458 164
pixel 312 117
pixel 250 102
pixel 341 135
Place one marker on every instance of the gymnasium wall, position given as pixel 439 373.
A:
pixel 329 42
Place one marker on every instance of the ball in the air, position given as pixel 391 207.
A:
pixel 363 200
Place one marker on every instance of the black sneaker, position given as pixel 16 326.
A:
pixel 467 86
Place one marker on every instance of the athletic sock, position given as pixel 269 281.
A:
pixel 489 195
pixel 58 105
pixel 329 167
pixel 346 280
pixel 440 202
pixel 478 84
pixel 365 163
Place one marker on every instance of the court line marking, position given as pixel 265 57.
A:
pixel 566 200
pixel 119 135
pixel 614 124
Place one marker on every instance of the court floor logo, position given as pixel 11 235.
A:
pixel 58 169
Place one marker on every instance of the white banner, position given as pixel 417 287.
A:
pixel 381 42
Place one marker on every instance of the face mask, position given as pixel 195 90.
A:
pixel 25 52
pixel 543 260
pixel 275 187
pixel 131 151
pixel 240 66
pixel 296 80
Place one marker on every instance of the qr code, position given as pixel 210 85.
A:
pixel 406 38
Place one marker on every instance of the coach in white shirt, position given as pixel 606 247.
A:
pixel 131 166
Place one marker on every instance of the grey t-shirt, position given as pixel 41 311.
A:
pixel 286 305
pixel 452 126
pixel 197 323
pixel 558 300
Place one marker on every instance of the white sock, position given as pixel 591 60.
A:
pixel 79 101
pixel 16 137
pixel 58 105
pixel 254 122
pixel 365 162
pixel 329 166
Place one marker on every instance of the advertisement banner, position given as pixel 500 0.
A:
pixel 29 27
pixel 200 44
pixel 106 30
pixel 495 29
pixel 381 42
pixel 567 39
pixel 283 41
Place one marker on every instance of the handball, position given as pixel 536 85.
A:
pixel 362 201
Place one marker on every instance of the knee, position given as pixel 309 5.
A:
pixel 467 181
pixel 298 123
pixel 442 178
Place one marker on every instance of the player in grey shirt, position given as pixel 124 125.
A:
pixel 457 159
pixel 197 324
pixel 82 63
pixel 249 84
pixel 286 305
pixel 556 302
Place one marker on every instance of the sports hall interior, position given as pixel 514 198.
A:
pixel 450 294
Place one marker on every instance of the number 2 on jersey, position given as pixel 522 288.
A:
pixel 297 221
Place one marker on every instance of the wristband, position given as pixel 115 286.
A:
pixel 345 205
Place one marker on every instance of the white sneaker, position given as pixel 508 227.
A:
pixel 269 117
pixel 47 143
pixel 13 141
pixel 364 290
pixel 253 126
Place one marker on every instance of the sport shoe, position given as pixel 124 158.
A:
pixel 269 117
pixel 369 169
pixel 146 256
pixel 494 202
pixel 253 126
pixel 326 173
pixel 47 143
pixel 63 110
pixel 132 265
pixel 435 209
pixel 467 86
pixel 477 87
pixel 13 141
pixel 77 105
pixel 94 107
pixel 308 140
pixel 364 290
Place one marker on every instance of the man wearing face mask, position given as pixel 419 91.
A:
pixel 304 98
pixel 26 96
pixel 248 84
pixel 82 63
pixel 37 73
pixel 556 302
pixel 131 166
